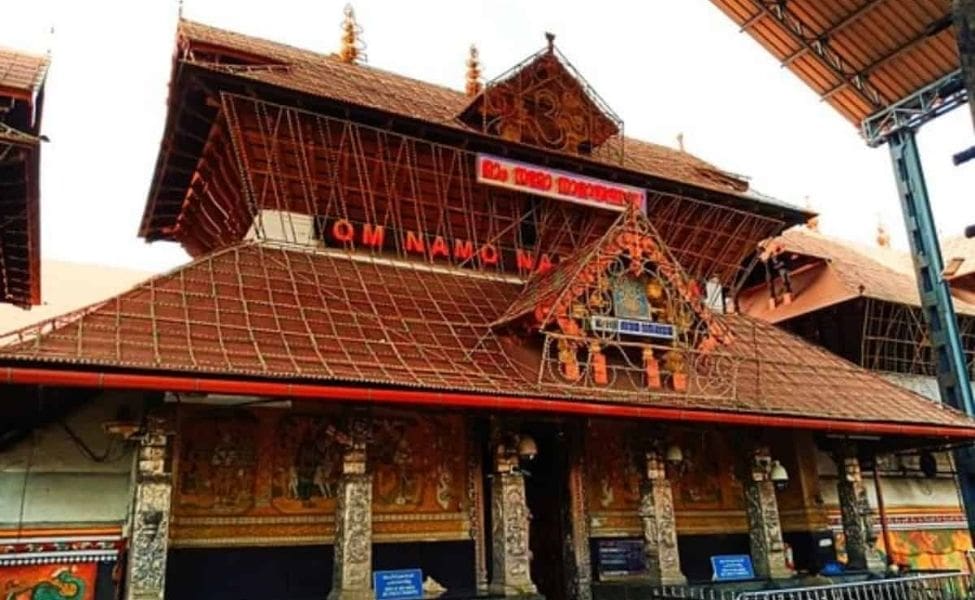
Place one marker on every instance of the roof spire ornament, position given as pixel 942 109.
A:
pixel 473 86
pixel 883 238
pixel 680 141
pixel 352 47
pixel 812 224
pixel 550 38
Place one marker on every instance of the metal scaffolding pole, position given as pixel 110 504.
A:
pixel 936 303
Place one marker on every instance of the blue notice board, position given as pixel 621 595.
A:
pixel 405 584
pixel 732 567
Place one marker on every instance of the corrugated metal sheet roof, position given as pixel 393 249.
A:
pixel 858 55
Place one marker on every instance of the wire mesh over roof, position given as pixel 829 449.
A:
pixel 859 55
pixel 265 312
pixel 327 76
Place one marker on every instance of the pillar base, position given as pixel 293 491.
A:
pixel 514 592
pixel 350 595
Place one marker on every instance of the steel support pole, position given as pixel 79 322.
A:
pixel 964 11
pixel 936 303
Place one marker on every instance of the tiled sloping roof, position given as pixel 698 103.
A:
pixel 963 248
pixel 328 77
pixel 23 72
pixel 268 312
pixel 862 270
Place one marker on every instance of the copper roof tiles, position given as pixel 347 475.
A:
pixel 328 77
pixel 264 312
pixel 21 72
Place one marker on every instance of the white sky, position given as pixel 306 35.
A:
pixel 665 66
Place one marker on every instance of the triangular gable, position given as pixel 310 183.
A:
pixel 543 101
pixel 620 305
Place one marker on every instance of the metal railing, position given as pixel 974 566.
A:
pixel 942 586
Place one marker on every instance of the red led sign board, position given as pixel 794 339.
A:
pixel 561 185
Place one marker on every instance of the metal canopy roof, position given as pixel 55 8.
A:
pixel 861 56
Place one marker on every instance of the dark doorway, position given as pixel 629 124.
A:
pixel 547 494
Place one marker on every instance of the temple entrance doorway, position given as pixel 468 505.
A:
pixel 547 495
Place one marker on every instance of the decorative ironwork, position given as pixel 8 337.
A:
pixel 543 101
pixel 628 318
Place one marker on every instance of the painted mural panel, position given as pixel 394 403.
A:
pixel 923 549
pixel 707 486
pixel 48 582
pixel 270 477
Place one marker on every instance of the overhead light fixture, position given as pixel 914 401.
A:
pixel 779 475
pixel 674 454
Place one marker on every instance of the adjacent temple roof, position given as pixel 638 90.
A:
pixel 21 98
pixel 860 56
pixel 329 77
pixel 272 313
pixel 851 271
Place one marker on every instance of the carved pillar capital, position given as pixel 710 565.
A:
pixel 149 519
pixel 764 525
pixel 659 524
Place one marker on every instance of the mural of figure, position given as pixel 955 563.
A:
pixel 227 472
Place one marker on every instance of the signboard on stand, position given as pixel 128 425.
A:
pixel 620 558
pixel 404 584
pixel 732 567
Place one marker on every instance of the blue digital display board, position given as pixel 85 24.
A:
pixel 633 327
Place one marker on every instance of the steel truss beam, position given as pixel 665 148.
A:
pixel 807 38
pixel 913 111
pixel 839 26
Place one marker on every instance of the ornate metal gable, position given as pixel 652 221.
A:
pixel 621 315
pixel 543 101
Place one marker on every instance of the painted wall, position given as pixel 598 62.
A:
pixel 47 479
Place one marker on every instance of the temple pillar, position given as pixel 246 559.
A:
pixel 510 554
pixel 580 578
pixel 858 526
pixel 764 526
pixel 145 572
pixel 659 525
pixel 353 520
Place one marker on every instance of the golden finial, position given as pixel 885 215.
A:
pixel 813 223
pixel 550 38
pixel 473 86
pixel 352 47
pixel 883 238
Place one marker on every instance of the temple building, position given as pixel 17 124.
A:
pixel 21 102
pixel 862 303
pixel 478 333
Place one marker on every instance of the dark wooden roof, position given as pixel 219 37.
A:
pixel 21 91
pixel 858 55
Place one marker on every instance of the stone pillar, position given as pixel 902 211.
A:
pixel 145 572
pixel 353 520
pixel 659 525
pixel 858 527
pixel 580 575
pixel 510 554
pixel 764 527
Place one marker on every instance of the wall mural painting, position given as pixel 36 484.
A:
pixel 698 480
pixel 307 464
pixel 925 549
pixel 615 479
pixel 217 463
pixel 277 473
pixel 48 582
